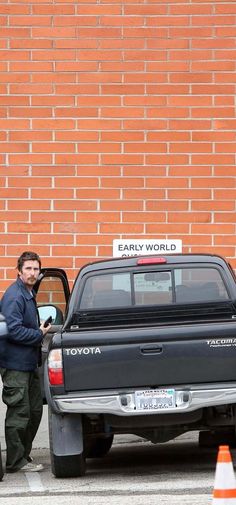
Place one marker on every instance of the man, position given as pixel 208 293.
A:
pixel 19 358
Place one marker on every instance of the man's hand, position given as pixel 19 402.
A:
pixel 43 328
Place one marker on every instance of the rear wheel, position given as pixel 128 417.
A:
pixel 100 447
pixel 71 465
pixel 215 438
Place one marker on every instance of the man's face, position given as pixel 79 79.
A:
pixel 29 273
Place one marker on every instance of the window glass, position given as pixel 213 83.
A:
pixel 106 291
pixel 153 288
pixel 199 284
pixel 51 291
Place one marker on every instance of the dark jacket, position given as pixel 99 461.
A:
pixel 20 350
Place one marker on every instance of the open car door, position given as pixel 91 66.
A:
pixel 52 295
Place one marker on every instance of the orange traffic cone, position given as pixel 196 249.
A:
pixel 225 483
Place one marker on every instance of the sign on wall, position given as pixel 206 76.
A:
pixel 137 247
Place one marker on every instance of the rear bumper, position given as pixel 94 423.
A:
pixel 122 403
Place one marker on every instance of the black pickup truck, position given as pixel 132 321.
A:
pixel 146 346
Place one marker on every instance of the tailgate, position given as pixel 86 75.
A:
pixel 149 357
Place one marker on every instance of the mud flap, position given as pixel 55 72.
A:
pixel 66 434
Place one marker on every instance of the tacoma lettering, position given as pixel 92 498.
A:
pixel 221 342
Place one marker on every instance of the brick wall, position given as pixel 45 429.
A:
pixel 117 120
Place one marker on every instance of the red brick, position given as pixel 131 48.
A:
pixel 30 135
pixel 76 136
pixel 53 9
pixel 213 229
pixel 146 147
pixel 213 20
pixel 14 77
pixel 14 9
pixel 163 230
pixel 75 205
pixel 54 78
pixel 49 217
pixel 14 55
pixel 97 217
pixel 29 205
pixel 168 21
pixel 99 193
pixel 80 159
pixel 30 112
pixel 29 182
pixel 166 205
pixel 31 227
pixel 122 205
pixel 174 182
pixel 167 112
pixel 75 21
pixel 80 228
pixel 14 147
pixel 123 228
pixel 29 20
pixel 53 170
pixel 121 21
pixel 144 171
pixel 51 124
pixel 31 88
pixel 53 147
pixel 189 217
pixel 120 159
pixel 53 32
pixel 213 159
pixel 52 238
pixel 72 182
pixel 122 136
pixel 193 240
pixel 52 194
pixel 191 147
pixel 21 159
pixel 14 100
pixel 230 171
pixel 30 43
pixel 14 216
pixel 190 194
pixel 144 194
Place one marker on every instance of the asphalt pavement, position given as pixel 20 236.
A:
pixel 134 472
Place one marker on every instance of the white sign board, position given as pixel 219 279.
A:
pixel 137 247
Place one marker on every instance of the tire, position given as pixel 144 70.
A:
pixel 213 439
pixel 100 447
pixel 68 465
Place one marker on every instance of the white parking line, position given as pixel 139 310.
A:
pixel 34 481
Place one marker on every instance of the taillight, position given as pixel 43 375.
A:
pixel 55 368
pixel 151 261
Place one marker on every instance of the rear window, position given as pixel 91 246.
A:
pixel 181 285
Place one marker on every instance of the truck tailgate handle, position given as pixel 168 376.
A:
pixel 151 349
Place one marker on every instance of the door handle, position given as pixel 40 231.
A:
pixel 151 349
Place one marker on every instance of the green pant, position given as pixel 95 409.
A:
pixel 22 395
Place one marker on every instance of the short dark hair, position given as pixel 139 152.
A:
pixel 27 256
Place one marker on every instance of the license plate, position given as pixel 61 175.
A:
pixel 155 399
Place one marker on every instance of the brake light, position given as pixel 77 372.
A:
pixel 55 368
pixel 151 261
